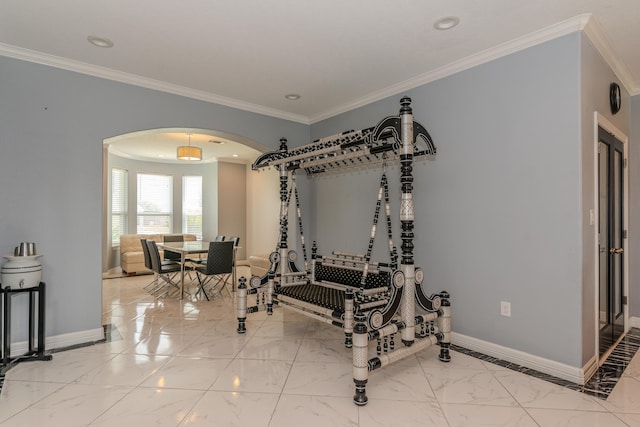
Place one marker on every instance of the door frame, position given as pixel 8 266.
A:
pixel 602 122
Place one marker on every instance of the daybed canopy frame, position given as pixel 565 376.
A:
pixel 375 313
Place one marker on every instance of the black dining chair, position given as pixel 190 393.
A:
pixel 147 262
pixel 236 242
pixel 213 275
pixel 173 256
pixel 234 239
pixel 219 238
pixel 163 271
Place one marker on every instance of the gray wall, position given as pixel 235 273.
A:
pixel 498 214
pixel 595 78
pixel 232 203
pixel 52 126
pixel 634 207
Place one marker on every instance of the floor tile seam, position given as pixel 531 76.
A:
pixel 284 385
pixel 263 359
pixel 169 388
pixel 131 390
pixel 526 406
pixel 211 358
pixel 190 411
pixel 572 410
pixel 616 414
pixel 530 415
pixel 285 393
pixel 433 391
pixel 36 401
pixel 599 401
pixel 311 362
pixel 602 409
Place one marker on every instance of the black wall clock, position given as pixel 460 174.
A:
pixel 614 97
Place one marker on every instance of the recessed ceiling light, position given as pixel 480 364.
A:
pixel 292 96
pixel 100 41
pixel 234 155
pixel 446 23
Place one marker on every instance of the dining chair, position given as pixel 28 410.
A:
pixel 165 271
pixel 173 256
pixel 147 263
pixel 236 242
pixel 202 259
pixel 213 275
pixel 176 257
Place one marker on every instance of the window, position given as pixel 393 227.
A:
pixel 154 204
pixel 192 205
pixel 119 212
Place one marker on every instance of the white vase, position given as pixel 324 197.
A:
pixel 20 272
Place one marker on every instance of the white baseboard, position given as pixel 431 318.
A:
pixel 61 341
pixel 550 367
pixel 634 322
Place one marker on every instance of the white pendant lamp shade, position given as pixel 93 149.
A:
pixel 187 152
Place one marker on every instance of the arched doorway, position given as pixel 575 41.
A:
pixel 226 161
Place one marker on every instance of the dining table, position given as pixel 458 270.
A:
pixel 185 248
pixel 193 247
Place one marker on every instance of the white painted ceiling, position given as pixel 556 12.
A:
pixel 336 54
pixel 160 145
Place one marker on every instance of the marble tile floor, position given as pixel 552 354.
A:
pixel 181 363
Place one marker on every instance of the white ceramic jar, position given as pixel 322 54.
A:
pixel 20 272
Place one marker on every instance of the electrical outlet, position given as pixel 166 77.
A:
pixel 505 308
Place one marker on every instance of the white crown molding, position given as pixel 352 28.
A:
pixel 122 77
pixel 549 33
pixel 547 366
pixel 596 35
pixel 584 22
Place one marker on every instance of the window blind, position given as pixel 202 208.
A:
pixel 192 205
pixel 119 214
pixel 154 204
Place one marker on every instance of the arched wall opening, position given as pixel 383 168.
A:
pixel 235 199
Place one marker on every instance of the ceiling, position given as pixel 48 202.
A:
pixel 160 146
pixel 337 55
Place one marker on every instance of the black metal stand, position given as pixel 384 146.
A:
pixel 33 353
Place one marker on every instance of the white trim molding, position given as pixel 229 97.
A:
pixel 585 22
pixel 145 82
pixel 61 341
pixel 547 366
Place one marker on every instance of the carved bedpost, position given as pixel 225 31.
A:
pixel 270 289
pixel 348 318
pixel 406 219
pixel 242 305
pixel 444 325
pixel 360 360
pixel 284 211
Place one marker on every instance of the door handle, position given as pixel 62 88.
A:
pixel 616 250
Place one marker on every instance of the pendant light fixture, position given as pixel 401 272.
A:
pixel 187 152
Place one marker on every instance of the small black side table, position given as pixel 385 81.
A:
pixel 37 353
